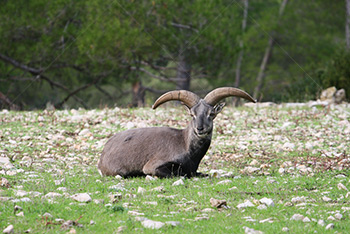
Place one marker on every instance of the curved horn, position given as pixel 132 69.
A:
pixel 188 98
pixel 218 94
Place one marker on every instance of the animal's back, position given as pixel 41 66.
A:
pixel 127 152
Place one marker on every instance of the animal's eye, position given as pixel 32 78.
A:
pixel 212 114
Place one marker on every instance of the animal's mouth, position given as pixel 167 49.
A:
pixel 202 134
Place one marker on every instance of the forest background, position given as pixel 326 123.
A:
pixel 98 53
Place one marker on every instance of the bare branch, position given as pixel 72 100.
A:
pixel 176 25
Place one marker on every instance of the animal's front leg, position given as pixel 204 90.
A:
pixel 161 168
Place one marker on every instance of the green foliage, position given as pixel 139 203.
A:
pixel 75 42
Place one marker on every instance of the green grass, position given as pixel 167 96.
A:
pixel 50 154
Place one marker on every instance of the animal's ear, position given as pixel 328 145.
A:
pixel 218 108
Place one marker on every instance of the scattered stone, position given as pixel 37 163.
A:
pixel 5 183
pixel 141 190
pixel 201 218
pixel 153 203
pixel 52 195
pixel 321 222
pixel 331 218
pixel 248 230
pixel 48 215
pixel 297 217
pixel 152 224
pixel 158 189
pixel 16 208
pixel 281 170
pixel 250 170
pixel 326 199
pixel 117 187
pixel 218 203
pixel 99 201
pixel 121 229
pixel 338 216
pixel 173 223
pixel 92 222
pixel 178 182
pixel 5 163
pixel 267 201
pixel 135 213
pixel 330 226
pixel 81 197
pixel 288 204
pixel 21 193
pixel 8 230
pixel 85 132
pixel 208 210
pixel 285 229
pixel 20 214
pixel 342 187
pixel 298 199
pixel 262 207
pixel 118 177
pixel 306 220
pixel 150 178
pixel 224 182
pixel 245 204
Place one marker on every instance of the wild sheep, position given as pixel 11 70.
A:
pixel 165 151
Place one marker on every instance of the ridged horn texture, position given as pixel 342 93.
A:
pixel 188 98
pixel 218 94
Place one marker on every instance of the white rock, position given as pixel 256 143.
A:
pixel 331 218
pixel 173 223
pixel 321 222
pixel 342 187
pixel 267 201
pixel 297 217
pixel 130 125
pixel 141 190
pixel 330 226
pixel 338 216
pixel 281 170
pixel 245 204
pixel 20 214
pixel 250 170
pixel 52 195
pixel 262 207
pixel 178 182
pixel 21 193
pixel 5 163
pixel 326 199
pixel 152 224
pixel 150 178
pixel 248 230
pixel 135 213
pixel 48 215
pixel 118 177
pixel 224 182
pixel 298 199
pixel 81 197
pixel 85 132
pixel 288 146
pixel 306 220
pixel 8 230
pixel 285 229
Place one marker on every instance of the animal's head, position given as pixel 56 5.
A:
pixel 203 111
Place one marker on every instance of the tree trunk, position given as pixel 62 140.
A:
pixel 347 25
pixel 183 73
pixel 241 52
pixel 138 94
pixel 268 50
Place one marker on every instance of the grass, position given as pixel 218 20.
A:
pixel 48 153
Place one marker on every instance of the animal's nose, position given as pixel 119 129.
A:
pixel 200 128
